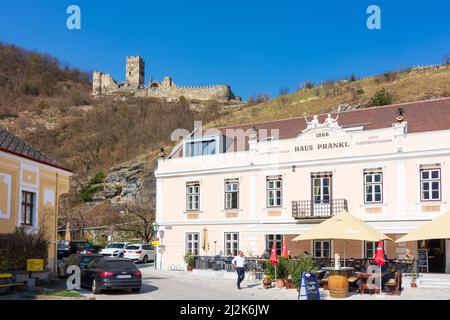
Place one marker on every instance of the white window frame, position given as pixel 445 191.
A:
pixel 321 248
pixel 430 182
pixel 191 243
pixel 217 139
pixel 272 190
pixel 372 184
pixel 231 241
pixel 375 244
pixel 234 189
pixel 278 239
pixel 192 196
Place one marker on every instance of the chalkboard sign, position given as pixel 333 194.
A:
pixel 423 259
pixel 311 285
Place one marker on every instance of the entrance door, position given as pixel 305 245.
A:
pixel 436 254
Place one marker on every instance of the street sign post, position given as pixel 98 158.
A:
pixel 154 240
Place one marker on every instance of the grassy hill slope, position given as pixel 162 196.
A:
pixel 404 86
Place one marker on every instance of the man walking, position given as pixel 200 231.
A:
pixel 239 263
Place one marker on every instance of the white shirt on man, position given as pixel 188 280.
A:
pixel 239 261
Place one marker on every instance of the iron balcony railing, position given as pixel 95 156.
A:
pixel 309 209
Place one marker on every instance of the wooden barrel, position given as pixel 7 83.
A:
pixel 338 285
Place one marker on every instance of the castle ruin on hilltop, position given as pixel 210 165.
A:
pixel 104 84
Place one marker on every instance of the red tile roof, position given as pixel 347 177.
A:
pixel 428 115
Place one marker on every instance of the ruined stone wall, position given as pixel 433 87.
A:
pixel 218 92
pixel 103 84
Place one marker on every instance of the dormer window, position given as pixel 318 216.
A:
pixel 202 147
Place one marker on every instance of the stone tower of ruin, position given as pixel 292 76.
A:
pixel 135 66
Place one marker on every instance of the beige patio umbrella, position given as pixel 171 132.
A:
pixel 342 226
pixel 205 240
pixel 68 235
pixel 438 228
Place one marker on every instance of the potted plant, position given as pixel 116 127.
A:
pixel 295 268
pixel 281 271
pixel 190 261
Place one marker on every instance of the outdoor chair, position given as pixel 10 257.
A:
pixel 395 285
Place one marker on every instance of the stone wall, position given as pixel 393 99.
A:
pixel 103 84
pixel 219 92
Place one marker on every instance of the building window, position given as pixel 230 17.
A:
pixel 232 194
pixel 193 196
pixel 322 248
pixel 274 192
pixel 192 243
pixel 278 239
pixel 28 206
pixel 373 187
pixel 231 243
pixel 370 248
pixel 430 184
pixel 321 187
pixel 201 147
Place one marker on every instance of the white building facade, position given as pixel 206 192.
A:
pixel 253 185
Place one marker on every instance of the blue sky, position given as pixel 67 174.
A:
pixel 255 46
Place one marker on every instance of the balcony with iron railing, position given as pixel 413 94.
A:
pixel 309 209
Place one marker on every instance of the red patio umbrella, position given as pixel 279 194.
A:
pixel 274 258
pixel 273 255
pixel 379 254
pixel 379 259
pixel 284 252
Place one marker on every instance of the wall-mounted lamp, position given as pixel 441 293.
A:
pixel 293 168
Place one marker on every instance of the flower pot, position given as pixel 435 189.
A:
pixel 413 285
pixel 267 282
pixel 289 284
pixel 399 118
pixel 189 268
pixel 280 283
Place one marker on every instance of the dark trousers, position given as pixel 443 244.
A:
pixel 241 276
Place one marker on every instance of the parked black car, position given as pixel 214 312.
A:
pixel 94 249
pixel 66 248
pixel 104 273
pixel 77 259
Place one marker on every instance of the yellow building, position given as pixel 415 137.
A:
pixel 30 185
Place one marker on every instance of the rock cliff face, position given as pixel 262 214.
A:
pixel 132 181
pixel 129 182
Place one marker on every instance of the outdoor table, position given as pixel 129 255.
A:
pixel 338 281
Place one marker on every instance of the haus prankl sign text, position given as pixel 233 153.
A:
pixel 324 136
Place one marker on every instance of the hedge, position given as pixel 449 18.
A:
pixel 16 248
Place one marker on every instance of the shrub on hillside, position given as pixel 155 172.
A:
pixel 17 247
pixel 94 186
pixel 381 98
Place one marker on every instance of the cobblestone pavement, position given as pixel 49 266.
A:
pixel 182 285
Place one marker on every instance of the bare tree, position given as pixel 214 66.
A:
pixel 134 218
